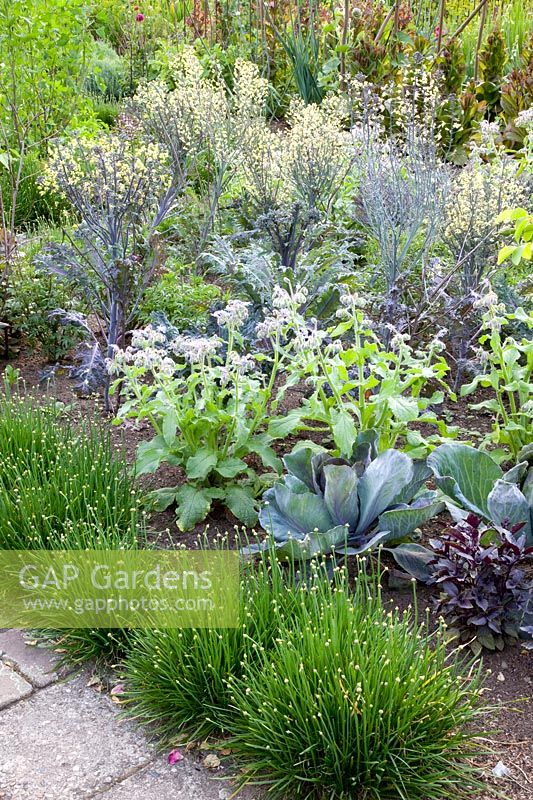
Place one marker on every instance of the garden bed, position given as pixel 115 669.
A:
pixel 508 674
pixel 267 282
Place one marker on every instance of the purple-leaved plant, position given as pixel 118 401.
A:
pixel 485 591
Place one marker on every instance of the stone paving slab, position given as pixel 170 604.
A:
pixel 184 781
pixel 62 740
pixel 36 664
pixel 66 742
pixel 13 687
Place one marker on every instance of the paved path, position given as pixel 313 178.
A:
pixel 62 740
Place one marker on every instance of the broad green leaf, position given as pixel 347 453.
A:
pixel 260 445
pixel 313 544
pixel 280 427
pixel 405 409
pixel 505 252
pixel 170 427
pixel 344 432
pixel 421 473
pixel 299 463
pixel 516 473
pixel 230 467
pixel 384 479
pixel 201 464
pixel 193 503
pixel 295 484
pixel 465 474
pixel 161 499
pixel 242 504
pixel 518 253
pixel 489 405
pixel 150 455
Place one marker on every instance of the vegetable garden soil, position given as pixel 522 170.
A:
pixel 509 681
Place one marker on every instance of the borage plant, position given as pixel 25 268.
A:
pixel 209 409
pixel 506 369
pixel 350 505
pixel 366 385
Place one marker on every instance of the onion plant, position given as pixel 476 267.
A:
pixel 61 487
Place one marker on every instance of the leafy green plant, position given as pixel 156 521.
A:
pixel 253 271
pixel 177 680
pixel 11 379
pixel 209 410
pixel 32 203
pixel 42 54
pixel 61 487
pixel 350 505
pixel 475 483
pixel 507 369
pixel 31 295
pixel 106 73
pixel 367 385
pixel 184 300
pixel 492 60
pixel 522 248
pixel 516 98
pixel 351 701
pixel 302 48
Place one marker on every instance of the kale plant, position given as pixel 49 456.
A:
pixel 121 191
pixel 485 593
pixel 401 197
pixel 254 271
pixel 205 126
pixel 488 183
pixel 291 178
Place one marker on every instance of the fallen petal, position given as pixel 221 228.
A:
pixel 501 771
pixel 174 756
